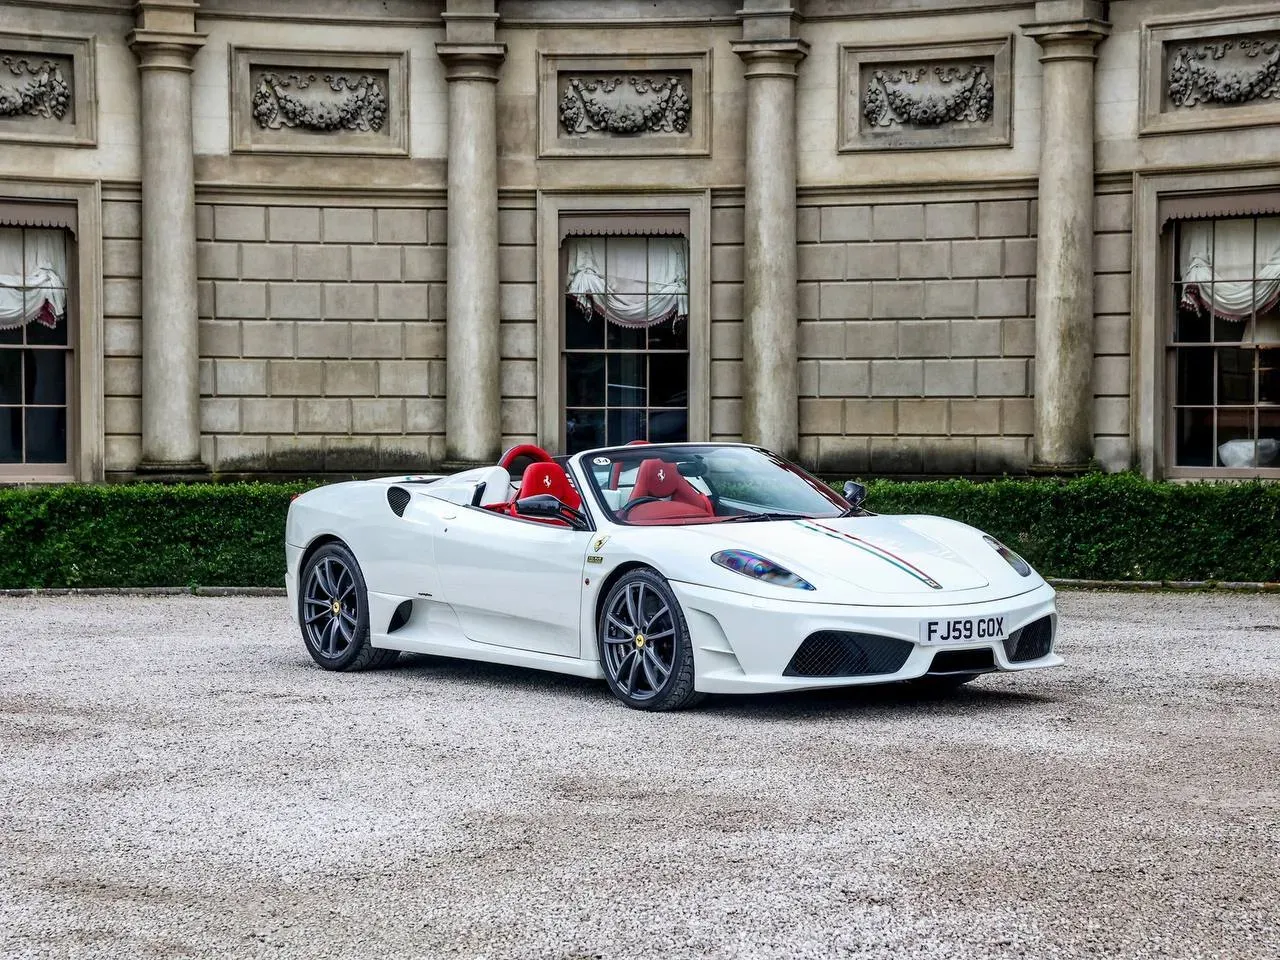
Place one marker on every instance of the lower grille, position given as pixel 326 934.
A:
pixel 1030 642
pixel 835 653
pixel 980 660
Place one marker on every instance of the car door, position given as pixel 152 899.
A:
pixel 512 583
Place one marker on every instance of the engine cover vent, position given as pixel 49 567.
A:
pixel 397 500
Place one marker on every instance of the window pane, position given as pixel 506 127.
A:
pixel 11 376
pixel 1235 375
pixel 1195 376
pixel 625 338
pixel 11 336
pixel 10 434
pixel 583 429
pixel 46 376
pixel 668 380
pixel 1269 376
pixel 582 331
pixel 41 335
pixel 1194 441
pixel 670 335
pixel 1235 438
pixel 668 426
pixel 1269 438
pixel 1191 324
pixel 626 425
pixel 584 380
pixel 626 381
pixel 47 435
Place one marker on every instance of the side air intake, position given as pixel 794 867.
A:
pixel 397 500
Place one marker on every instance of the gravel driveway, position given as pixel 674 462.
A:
pixel 178 779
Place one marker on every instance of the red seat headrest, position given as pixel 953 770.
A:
pixel 549 478
pixel 656 478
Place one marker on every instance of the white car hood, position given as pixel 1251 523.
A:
pixel 917 560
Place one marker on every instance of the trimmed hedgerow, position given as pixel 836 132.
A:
pixel 1112 527
pixel 144 534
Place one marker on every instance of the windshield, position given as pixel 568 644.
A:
pixel 688 483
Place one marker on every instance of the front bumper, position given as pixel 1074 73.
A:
pixel 743 644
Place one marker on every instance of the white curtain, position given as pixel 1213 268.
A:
pixel 630 281
pixel 1225 272
pixel 32 277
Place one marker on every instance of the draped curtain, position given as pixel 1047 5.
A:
pixel 33 270
pixel 1225 272
pixel 629 281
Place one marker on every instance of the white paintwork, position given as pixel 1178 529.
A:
pixel 488 586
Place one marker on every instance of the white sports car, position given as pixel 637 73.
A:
pixel 670 570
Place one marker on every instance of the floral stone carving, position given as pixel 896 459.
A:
pixel 928 97
pixel 39 89
pixel 1225 72
pixel 338 102
pixel 625 105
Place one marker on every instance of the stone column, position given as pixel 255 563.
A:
pixel 473 401
pixel 165 41
pixel 770 56
pixel 1068 32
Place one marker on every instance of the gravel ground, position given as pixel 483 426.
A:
pixel 178 779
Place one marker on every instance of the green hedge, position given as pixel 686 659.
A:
pixel 1112 526
pixel 144 534
pixel 1117 527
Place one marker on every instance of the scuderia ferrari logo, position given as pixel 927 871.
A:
pixel 546 482
pixel 662 475
pixel 599 542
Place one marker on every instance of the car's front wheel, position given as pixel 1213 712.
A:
pixel 644 644
pixel 333 611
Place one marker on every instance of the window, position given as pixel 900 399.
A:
pixel 35 352
pixel 1224 346
pixel 625 346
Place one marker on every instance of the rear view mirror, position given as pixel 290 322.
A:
pixel 855 493
pixel 547 506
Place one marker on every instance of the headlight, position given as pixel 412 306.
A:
pixel 758 568
pixel 1015 561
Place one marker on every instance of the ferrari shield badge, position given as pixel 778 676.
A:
pixel 599 542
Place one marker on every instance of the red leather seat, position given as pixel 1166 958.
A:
pixel 679 499
pixel 548 478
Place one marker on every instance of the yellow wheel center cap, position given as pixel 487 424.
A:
pixel 639 639
pixel 337 607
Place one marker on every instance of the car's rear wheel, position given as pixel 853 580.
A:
pixel 644 644
pixel 333 611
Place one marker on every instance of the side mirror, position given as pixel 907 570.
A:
pixel 855 493
pixel 547 506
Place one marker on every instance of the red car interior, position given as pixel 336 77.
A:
pixel 539 477
pixel 657 478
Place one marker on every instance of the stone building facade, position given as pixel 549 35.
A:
pixel 903 237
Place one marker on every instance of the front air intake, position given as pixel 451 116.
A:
pixel 397 500
pixel 835 653
pixel 1031 642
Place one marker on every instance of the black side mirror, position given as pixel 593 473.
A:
pixel 546 505
pixel 855 493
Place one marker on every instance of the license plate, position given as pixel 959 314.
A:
pixel 963 630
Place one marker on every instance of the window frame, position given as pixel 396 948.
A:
pixel 86 440
pixel 618 212
pixel 1168 308
pixel 66 470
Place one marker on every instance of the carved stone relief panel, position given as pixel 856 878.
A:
pixel 286 101
pixel 925 97
pixel 624 105
pixel 46 89
pixel 1210 73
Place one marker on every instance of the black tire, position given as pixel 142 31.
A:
pixel 674 691
pixel 332 572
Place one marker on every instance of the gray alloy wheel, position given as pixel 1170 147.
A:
pixel 333 612
pixel 644 645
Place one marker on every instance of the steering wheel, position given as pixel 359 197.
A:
pixel 630 504
pixel 524 451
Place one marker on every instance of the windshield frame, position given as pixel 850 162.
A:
pixel 582 468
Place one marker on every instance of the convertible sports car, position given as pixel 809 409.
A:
pixel 670 570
